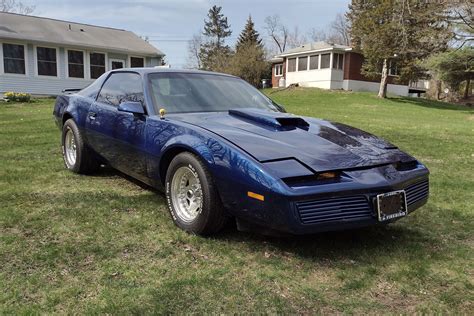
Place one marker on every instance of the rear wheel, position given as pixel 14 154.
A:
pixel 192 198
pixel 77 157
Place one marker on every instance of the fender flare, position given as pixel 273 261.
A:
pixel 181 143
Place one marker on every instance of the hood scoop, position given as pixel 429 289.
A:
pixel 272 120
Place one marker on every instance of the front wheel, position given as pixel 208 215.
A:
pixel 192 198
pixel 77 157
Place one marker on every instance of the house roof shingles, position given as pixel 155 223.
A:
pixel 45 30
pixel 316 46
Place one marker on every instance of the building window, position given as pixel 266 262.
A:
pixel 279 70
pixel 46 61
pixel 291 64
pixel 393 68
pixel 97 65
pixel 14 59
pixel 325 61
pixel 313 62
pixel 137 62
pixel 338 61
pixel 302 63
pixel 75 63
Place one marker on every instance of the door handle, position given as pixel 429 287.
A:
pixel 92 115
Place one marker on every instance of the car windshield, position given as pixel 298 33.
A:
pixel 200 92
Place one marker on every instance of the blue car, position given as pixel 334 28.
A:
pixel 222 150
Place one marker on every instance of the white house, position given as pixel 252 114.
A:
pixel 44 56
pixel 330 66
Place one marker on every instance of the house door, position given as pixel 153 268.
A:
pixel 117 64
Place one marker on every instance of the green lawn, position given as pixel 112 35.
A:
pixel 103 244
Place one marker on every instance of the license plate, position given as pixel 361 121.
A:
pixel 391 205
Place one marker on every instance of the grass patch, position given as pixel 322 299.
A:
pixel 103 244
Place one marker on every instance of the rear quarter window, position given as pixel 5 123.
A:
pixel 92 90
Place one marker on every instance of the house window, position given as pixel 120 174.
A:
pixel 313 62
pixel 46 61
pixel 325 61
pixel 278 70
pixel 97 65
pixel 291 64
pixel 75 63
pixel 393 68
pixel 302 63
pixel 338 61
pixel 14 59
pixel 136 62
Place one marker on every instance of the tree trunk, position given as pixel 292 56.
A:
pixel 438 89
pixel 468 86
pixel 384 80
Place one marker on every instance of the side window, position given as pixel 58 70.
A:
pixel 121 87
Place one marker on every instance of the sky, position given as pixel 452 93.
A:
pixel 169 24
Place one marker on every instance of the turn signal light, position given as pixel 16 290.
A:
pixel 255 196
pixel 328 175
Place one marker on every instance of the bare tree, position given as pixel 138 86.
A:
pixel 317 35
pixel 295 39
pixel 340 30
pixel 337 32
pixel 277 31
pixel 461 17
pixel 194 49
pixel 15 6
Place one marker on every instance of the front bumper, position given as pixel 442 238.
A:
pixel 346 211
pixel 337 206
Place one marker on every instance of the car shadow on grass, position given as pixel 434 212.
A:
pixel 109 172
pixel 378 241
pixel 356 244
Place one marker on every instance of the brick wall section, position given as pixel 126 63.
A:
pixel 353 68
pixel 275 79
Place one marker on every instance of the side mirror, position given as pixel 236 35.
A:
pixel 131 107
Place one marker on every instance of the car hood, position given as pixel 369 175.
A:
pixel 320 145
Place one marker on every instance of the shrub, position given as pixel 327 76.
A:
pixel 23 97
pixel 17 96
pixel 10 96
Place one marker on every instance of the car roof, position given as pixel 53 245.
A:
pixel 149 70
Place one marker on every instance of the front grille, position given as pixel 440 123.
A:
pixel 334 209
pixel 417 192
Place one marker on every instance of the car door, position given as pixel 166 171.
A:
pixel 119 136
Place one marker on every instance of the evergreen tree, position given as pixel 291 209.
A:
pixel 248 61
pixel 397 31
pixel 214 53
pixel 249 36
pixel 216 27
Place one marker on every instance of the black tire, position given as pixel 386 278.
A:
pixel 85 162
pixel 211 217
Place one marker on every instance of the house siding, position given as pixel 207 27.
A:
pixel 326 78
pixel 42 85
pixel 353 69
pixel 349 78
pixel 358 85
pixel 276 79
pixel 152 61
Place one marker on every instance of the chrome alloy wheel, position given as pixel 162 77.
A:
pixel 70 147
pixel 186 194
